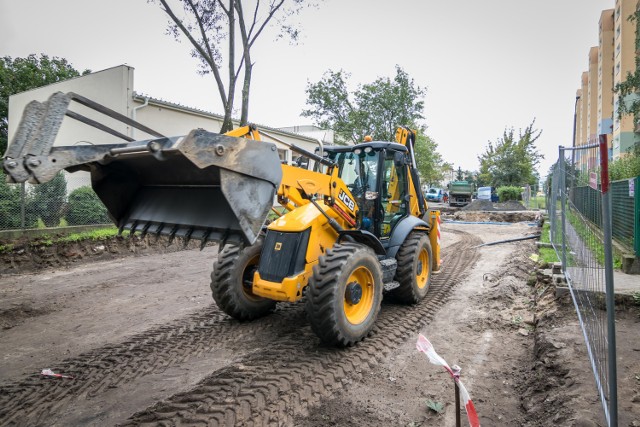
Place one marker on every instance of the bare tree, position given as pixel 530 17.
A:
pixel 209 24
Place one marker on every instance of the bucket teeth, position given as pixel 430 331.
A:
pixel 172 235
pixel 205 238
pixel 132 231
pixel 187 237
pixel 223 240
pixel 159 231
pixel 145 229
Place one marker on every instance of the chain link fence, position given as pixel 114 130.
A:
pixel 65 201
pixel 581 236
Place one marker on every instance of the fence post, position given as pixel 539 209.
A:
pixel 636 222
pixel 608 273
pixel 563 205
pixel 23 220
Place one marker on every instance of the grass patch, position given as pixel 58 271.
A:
pixel 591 240
pixel 98 234
pixel 538 202
pixel 6 248
pixel 547 255
pixel 48 240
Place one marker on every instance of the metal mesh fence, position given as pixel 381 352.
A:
pixel 576 215
pixel 533 198
pixel 66 200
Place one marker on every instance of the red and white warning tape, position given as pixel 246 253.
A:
pixel 426 347
pixel 50 373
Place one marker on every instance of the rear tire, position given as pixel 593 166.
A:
pixel 414 269
pixel 344 294
pixel 232 280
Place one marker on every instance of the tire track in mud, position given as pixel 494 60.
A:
pixel 34 399
pixel 280 371
pixel 294 373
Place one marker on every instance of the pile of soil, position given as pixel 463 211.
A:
pixel 479 205
pixel 486 205
pixel 511 205
pixel 32 255
pixel 497 216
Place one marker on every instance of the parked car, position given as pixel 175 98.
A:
pixel 484 193
pixel 488 193
pixel 435 195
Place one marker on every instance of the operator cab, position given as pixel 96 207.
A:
pixel 376 175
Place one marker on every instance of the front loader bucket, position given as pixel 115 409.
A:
pixel 210 187
pixel 203 186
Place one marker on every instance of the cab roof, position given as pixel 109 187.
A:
pixel 376 145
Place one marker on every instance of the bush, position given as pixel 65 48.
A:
pixel 509 193
pixel 85 208
pixel 626 167
pixel 47 200
pixel 9 204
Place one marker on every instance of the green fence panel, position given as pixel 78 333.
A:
pixel 623 212
pixel 636 234
pixel 588 202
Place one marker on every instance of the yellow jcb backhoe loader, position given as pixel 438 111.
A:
pixel 351 226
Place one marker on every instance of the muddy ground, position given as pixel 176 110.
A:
pixel 136 329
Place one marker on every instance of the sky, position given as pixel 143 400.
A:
pixel 487 65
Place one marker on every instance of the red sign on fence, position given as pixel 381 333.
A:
pixel 593 180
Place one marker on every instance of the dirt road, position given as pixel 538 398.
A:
pixel 146 347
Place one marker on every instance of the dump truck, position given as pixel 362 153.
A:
pixel 460 193
pixel 355 223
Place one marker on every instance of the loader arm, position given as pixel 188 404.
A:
pixel 418 205
pixel 203 185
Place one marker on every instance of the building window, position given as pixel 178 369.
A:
pixel 283 155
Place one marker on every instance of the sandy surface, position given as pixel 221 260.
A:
pixel 146 346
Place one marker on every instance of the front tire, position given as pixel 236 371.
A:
pixel 232 281
pixel 344 294
pixel 414 268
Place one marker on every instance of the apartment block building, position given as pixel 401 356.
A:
pixel 608 64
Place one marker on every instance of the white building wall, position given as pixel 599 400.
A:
pixel 174 120
pixel 114 89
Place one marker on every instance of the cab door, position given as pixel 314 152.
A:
pixel 394 193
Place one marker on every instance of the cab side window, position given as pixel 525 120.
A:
pixel 394 191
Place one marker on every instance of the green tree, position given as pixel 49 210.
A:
pixel 429 161
pixel 216 28
pixel 459 174
pixel 511 160
pixel 21 74
pixel 374 109
pixel 627 166
pixel 86 208
pixel 47 200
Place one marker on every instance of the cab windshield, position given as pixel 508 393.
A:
pixel 359 172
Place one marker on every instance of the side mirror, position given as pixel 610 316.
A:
pixel 399 159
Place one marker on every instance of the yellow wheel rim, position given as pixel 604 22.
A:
pixel 422 269
pixel 247 278
pixel 357 311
